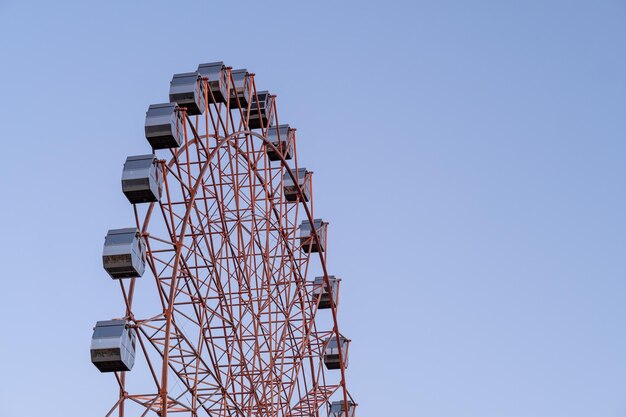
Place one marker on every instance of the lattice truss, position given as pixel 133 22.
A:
pixel 225 316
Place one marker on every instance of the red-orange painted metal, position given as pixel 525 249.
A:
pixel 227 326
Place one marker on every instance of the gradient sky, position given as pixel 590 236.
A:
pixel 469 155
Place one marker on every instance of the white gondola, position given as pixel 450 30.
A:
pixel 217 77
pixel 240 92
pixel 261 111
pixel 142 179
pixel 187 90
pixel 164 126
pixel 113 346
pixel 304 181
pixel 338 409
pixel 323 293
pixel 331 352
pixel 282 137
pixel 307 241
pixel 124 253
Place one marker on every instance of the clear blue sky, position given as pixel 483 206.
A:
pixel 470 156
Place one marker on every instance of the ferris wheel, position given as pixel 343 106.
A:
pixel 218 273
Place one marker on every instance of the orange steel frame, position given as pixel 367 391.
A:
pixel 230 329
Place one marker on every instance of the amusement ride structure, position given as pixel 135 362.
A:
pixel 220 309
